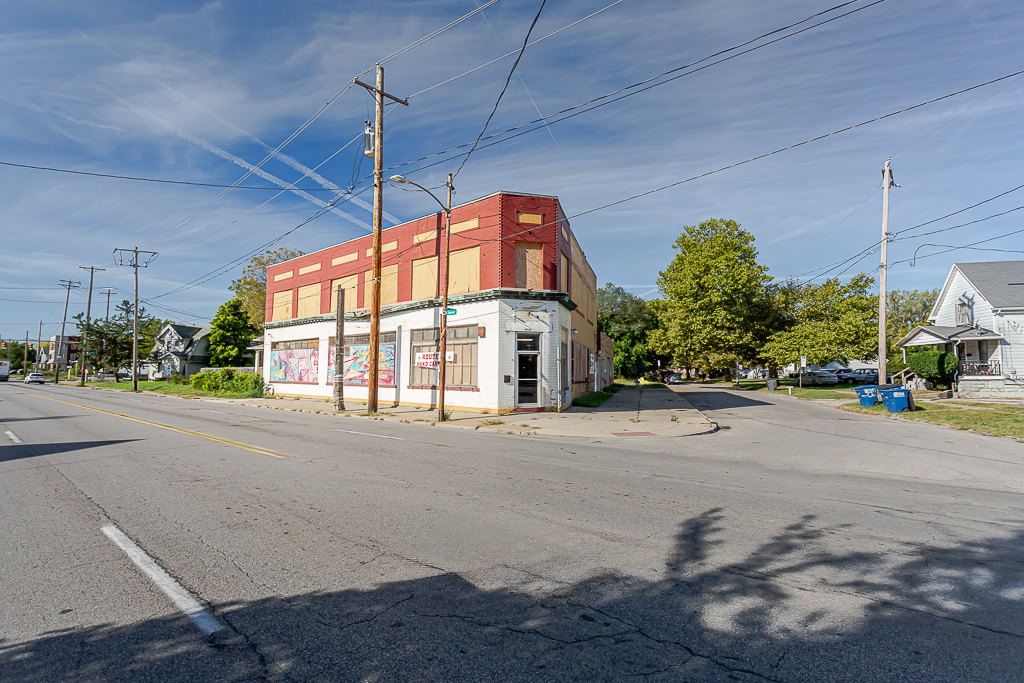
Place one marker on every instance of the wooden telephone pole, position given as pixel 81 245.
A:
pixel 378 211
pixel 88 320
pixel 69 284
pixel 883 343
pixel 133 261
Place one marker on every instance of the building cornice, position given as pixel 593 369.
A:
pixel 471 297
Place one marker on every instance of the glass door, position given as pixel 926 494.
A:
pixel 527 369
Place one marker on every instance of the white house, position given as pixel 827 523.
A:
pixel 979 316
pixel 179 350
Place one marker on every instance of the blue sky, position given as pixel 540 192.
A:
pixel 198 92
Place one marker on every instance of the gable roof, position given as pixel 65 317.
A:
pixel 1000 282
pixel 936 334
pixel 183 331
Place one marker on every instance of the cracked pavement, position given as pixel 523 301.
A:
pixel 800 544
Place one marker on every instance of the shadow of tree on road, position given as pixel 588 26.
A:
pixel 787 609
pixel 20 451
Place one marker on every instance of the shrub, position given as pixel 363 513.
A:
pixel 937 366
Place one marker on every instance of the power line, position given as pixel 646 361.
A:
pixel 971 245
pixel 155 180
pixel 502 93
pixel 966 208
pixel 415 44
pixel 599 101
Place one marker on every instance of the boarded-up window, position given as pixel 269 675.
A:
pixel 309 300
pixel 461 367
pixel 348 283
pixel 282 305
pixel 389 286
pixel 465 271
pixel 424 278
pixel 529 265
pixel 563 275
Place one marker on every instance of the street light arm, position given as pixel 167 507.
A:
pixel 406 181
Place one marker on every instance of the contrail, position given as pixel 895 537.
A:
pixel 287 159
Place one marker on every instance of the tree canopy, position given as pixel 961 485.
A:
pixel 109 344
pixel 715 293
pixel 628 320
pixel 251 287
pixel 231 333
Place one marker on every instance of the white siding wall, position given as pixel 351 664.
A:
pixel 961 290
pixel 1011 327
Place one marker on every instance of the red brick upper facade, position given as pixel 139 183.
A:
pixel 503 241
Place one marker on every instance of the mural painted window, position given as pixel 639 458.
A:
pixel 357 359
pixel 461 352
pixel 295 361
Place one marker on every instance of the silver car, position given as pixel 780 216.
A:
pixel 818 378
pixel 35 378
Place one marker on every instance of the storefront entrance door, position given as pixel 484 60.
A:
pixel 527 370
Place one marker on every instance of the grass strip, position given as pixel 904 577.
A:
pixel 1000 421
pixel 167 388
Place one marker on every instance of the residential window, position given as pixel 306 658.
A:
pixel 462 352
pixel 962 314
pixel 982 350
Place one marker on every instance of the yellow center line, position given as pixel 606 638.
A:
pixel 180 430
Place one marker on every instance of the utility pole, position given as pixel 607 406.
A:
pixel 887 182
pixel 339 353
pixel 134 263
pixel 39 344
pixel 378 209
pixel 69 284
pixel 24 363
pixel 88 319
pixel 443 358
pixel 109 290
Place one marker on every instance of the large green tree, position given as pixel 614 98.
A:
pixel 16 352
pixel 231 333
pixel 715 293
pixel 110 339
pixel 907 308
pixel 628 320
pixel 251 287
pixel 832 321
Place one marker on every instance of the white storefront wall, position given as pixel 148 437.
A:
pixel 501 319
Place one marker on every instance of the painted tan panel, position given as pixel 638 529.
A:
pixel 309 300
pixel 389 286
pixel 390 246
pixel 424 236
pixel 471 224
pixel 345 259
pixel 531 218
pixel 465 267
pixel 310 269
pixel 282 306
pixel 424 278
pixel 563 274
pixel 349 284
pixel 283 276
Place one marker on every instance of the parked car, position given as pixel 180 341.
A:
pixel 35 378
pixel 673 378
pixel 817 378
pixel 843 375
pixel 866 376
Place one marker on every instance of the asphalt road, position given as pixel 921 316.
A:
pixel 799 544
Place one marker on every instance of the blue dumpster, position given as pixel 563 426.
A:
pixel 897 398
pixel 868 395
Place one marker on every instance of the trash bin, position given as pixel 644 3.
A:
pixel 897 398
pixel 868 395
pixel 773 384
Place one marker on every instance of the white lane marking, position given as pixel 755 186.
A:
pixel 181 597
pixel 14 437
pixel 380 436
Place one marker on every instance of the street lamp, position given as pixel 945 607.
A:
pixel 444 297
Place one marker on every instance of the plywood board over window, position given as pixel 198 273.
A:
pixel 424 278
pixel 309 300
pixel 348 283
pixel 465 271
pixel 389 286
pixel 529 265
pixel 282 305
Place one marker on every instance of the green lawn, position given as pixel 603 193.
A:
pixel 998 421
pixel 592 400
pixel 167 388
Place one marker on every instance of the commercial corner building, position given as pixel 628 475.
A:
pixel 524 334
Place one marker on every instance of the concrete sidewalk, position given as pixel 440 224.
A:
pixel 632 412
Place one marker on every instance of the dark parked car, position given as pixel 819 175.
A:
pixel 866 376
pixel 843 375
pixel 673 378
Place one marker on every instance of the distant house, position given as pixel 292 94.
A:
pixel 179 350
pixel 979 316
